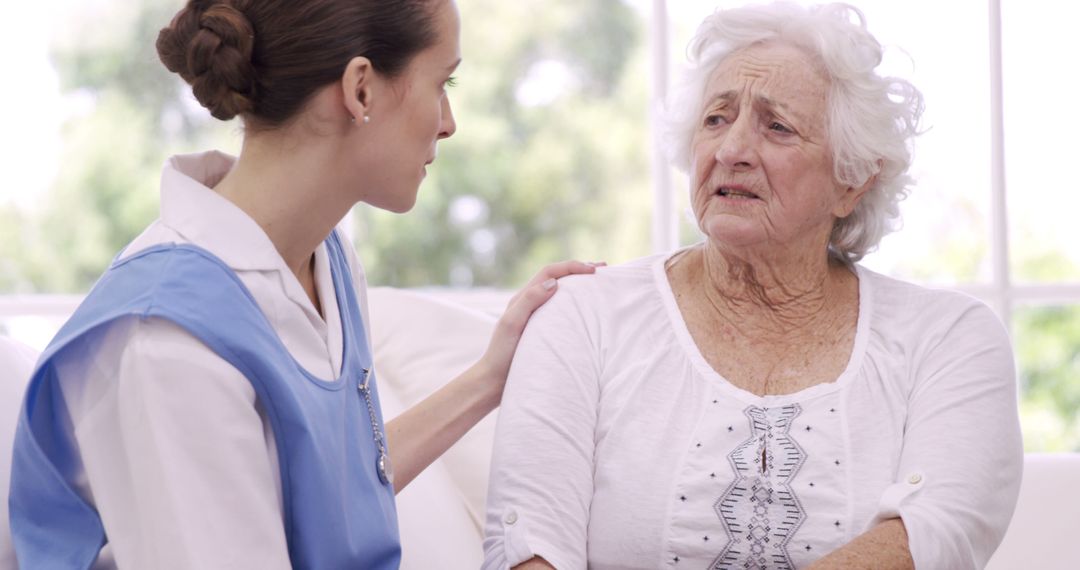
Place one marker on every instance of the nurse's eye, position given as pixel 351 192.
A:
pixel 451 81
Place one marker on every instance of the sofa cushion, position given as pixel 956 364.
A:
pixel 421 342
pixel 1042 533
pixel 436 528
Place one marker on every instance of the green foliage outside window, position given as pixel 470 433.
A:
pixel 521 184
pixel 1048 348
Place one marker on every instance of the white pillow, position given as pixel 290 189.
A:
pixel 436 528
pixel 421 342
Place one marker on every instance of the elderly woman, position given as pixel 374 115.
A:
pixel 760 400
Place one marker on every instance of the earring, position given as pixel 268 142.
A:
pixel 367 119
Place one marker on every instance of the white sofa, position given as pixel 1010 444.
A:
pixel 421 340
pixel 1045 530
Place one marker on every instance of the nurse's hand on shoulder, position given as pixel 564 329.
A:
pixel 425 431
pixel 508 330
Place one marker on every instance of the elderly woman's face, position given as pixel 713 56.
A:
pixel 762 172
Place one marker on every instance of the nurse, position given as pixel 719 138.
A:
pixel 212 404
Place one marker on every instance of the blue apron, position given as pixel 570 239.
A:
pixel 337 512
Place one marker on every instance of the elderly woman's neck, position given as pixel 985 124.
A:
pixel 790 290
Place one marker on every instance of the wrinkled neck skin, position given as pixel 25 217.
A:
pixel 770 294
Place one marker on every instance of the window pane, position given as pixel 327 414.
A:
pixel 1041 148
pixel 945 236
pixel 1047 340
pixel 93 125
pixel 550 160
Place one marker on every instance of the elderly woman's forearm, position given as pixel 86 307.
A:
pixel 884 547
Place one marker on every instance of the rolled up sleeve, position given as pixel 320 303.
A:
pixel 962 458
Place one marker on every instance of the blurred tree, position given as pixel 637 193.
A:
pixel 1047 340
pixel 1048 348
pixel 550 158
pixel 106 190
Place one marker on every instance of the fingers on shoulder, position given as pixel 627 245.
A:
pixel 528 300
pixel 568 267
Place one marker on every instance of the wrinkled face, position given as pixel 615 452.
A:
pixel 762 173
pixel 409 130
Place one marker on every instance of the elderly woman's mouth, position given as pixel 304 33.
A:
pixel 729 192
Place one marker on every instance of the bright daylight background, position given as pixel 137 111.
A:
pixel 553 159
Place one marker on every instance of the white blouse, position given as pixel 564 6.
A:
pixel 178 456
pixel 618 446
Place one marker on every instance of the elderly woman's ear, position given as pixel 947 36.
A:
pixel 855 193
pixel 852 196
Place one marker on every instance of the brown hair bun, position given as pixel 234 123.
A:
pixel 210 44
pixel 302 46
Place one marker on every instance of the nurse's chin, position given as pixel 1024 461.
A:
pixel 397 203
pixel 399 207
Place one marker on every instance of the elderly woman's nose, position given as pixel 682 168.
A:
pixel 737 149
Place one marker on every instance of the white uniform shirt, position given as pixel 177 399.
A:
pixel 619 446
pixel 16 364
pixel 178 455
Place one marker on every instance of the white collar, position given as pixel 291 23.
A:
pixel 191 207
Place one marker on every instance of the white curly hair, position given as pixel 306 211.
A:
pixel 871 120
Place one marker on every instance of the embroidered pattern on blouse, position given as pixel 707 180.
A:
pixel 759 510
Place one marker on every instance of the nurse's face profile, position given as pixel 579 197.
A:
pixel 407 117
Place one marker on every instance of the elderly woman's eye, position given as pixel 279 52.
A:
pixel 780 128
pixel 713 120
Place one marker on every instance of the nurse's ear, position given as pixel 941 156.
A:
pixel 357 84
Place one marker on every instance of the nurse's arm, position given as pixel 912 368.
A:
pixel 424 432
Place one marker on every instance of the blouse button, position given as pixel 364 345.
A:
pixel 914 479
pixel 510 518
